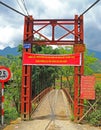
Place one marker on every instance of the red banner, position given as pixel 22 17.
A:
pixel 52 60
pixel 87 87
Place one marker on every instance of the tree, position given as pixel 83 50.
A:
pixel 14 86
pixel 43 76
pixel 89 61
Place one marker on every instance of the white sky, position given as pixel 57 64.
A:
pixel 11 23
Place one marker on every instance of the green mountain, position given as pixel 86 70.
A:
pixel 97 66
pixel 14 51
pixel 97 54
pixel 9 51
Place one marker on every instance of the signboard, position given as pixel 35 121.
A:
pixel 87 87
pixel 27 45
pixel 5 74
pixel 52 60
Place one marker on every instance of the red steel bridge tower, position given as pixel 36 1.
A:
pixel 72 34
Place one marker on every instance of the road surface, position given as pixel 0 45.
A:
pixel 53 113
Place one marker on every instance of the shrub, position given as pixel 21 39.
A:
pixel 10 114
pixel 95 118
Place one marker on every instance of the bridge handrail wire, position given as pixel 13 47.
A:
pixel 39 97
pixel 65 90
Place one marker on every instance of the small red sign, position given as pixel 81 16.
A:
pixel 5 74
pixel 52 60
pixel 87 87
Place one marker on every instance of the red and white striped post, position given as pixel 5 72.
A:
pixel 5 75
pixel 2 104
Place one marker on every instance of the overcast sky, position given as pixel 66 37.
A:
pixel 11 23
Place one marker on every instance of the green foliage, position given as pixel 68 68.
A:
pixel 57 87
pixel 98 89
pixel 98 94
pixel 97 66
pixel 4 61
pixel 15 86
pixel 95 118
pixel 85 102
pixel 20 47
pixel 9 107
pixel 42 77
pixel 10 114
pixel 72 117
pixel 33 106
pixel 89 61
pixel 12 87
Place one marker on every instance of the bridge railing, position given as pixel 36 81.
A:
pixel 70 99
pixel 35 102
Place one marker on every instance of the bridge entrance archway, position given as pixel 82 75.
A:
pixel 72 34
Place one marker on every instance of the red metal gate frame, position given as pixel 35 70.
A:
pixel 38 27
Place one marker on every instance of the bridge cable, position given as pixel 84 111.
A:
pixel 21 6
pixel 24 4
pixel 90 7
pixel 12 9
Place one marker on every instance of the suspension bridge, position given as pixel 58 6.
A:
pixel 52 105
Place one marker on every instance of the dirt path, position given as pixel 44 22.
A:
pixel 52 114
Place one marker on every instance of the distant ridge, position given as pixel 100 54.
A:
pixel 14 51
pixel 97 54
pixel 9 51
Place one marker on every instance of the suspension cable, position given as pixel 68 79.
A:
pixel 20 6
pixel 12 8
pixel 25 6
pixel 89 7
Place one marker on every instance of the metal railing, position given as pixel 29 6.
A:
pixel 35 102
pixel 70 100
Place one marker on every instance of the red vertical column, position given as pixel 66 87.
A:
pixel 81 107
pixel 79 47
pixel 26 70
pixel 76 72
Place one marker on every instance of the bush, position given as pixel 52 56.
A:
pixel 58 87
pixel 95 118
pixel 72 117
pixel 10 114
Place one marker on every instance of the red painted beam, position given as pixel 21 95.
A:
pixel 72 35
